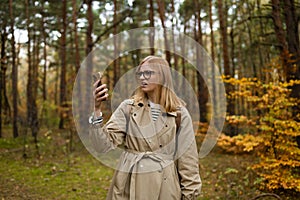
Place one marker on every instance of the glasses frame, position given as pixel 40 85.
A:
pixel 147 77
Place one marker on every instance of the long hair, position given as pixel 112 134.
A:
pixel 167 97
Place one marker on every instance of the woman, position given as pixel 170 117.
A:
pixel 160 160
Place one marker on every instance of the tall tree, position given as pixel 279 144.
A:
pixel 223 30
pixel 3 60
pixel 14 72
pixel 63 69
pixel 202 87
pixel 173 20
pixel 76 41
pixel 227 72
pixel 44 35
pixel 161 11
pixel 280 34
pixel 32 115
pixel 116 62
pixel 88 50
pixel 212 49
pixel 292 23
pixel 152 32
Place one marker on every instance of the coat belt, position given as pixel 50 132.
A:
pixel 134 157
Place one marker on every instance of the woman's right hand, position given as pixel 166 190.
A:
pixel 100 94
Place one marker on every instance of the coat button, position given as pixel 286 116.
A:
pixel 160 145
pixel 134 114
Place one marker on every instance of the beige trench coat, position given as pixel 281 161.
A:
pixel 147 169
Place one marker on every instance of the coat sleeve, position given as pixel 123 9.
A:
pixel 112 134
pixel 188 163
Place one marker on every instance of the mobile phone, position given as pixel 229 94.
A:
pixel 98 76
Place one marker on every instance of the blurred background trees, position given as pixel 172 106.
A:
pixel 43 43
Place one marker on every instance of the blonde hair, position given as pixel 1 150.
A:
pixel 167 97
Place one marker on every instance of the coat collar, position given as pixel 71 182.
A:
pixel 140 103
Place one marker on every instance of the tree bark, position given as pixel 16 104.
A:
pixel 280 35
pixel 44 34
pixel 63 46
pixel 161 11
pixel 261 30
pixel 3 92
pixel 291 21
pixel 227 72
pixel 173 36
pixel 212 48
pixel 202 87
pixel 116 64
pixel 77 52
pixel 293 70
pixel 32 118
pixel 89 48
pixel 223 30
pixel 14 72
pixel 226 66
pixel 152 32
pixel 2 65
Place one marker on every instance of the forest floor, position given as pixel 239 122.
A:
pixel 61 171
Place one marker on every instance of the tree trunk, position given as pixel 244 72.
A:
pixel 89 48
pixel 43 22
pixel 35 75
pixel 291 21
pixel 29 79
pixel 14 73
pixel 260 51
pixel 77 59
pixel 152 32
pixel 202 87
pixel 5 103
pixel 31 85
pixel 63 46
pixel 173 36
pixel 293 70
pixel 280 35
pixel 183 53
pixel 227 72
pixel 223 30
pixel 161 11
pixel 212 48
pixel 77 52
pixel 2 65
pixel 116 64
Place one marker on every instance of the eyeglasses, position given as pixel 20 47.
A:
pixel 146 74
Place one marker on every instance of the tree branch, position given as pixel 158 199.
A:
pixel 114 25
pixel 265 195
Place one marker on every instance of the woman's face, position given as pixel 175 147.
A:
pixel 149 78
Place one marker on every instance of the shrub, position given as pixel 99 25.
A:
pixel 276 129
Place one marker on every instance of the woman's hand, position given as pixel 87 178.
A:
pixel 100 94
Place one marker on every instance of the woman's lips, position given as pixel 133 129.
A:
pixel 144 84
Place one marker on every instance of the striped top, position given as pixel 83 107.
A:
pixel 155 110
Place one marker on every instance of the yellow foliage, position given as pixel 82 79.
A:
pixel 276 129
pixel 240 143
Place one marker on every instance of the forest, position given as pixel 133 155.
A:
pixel 248 49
